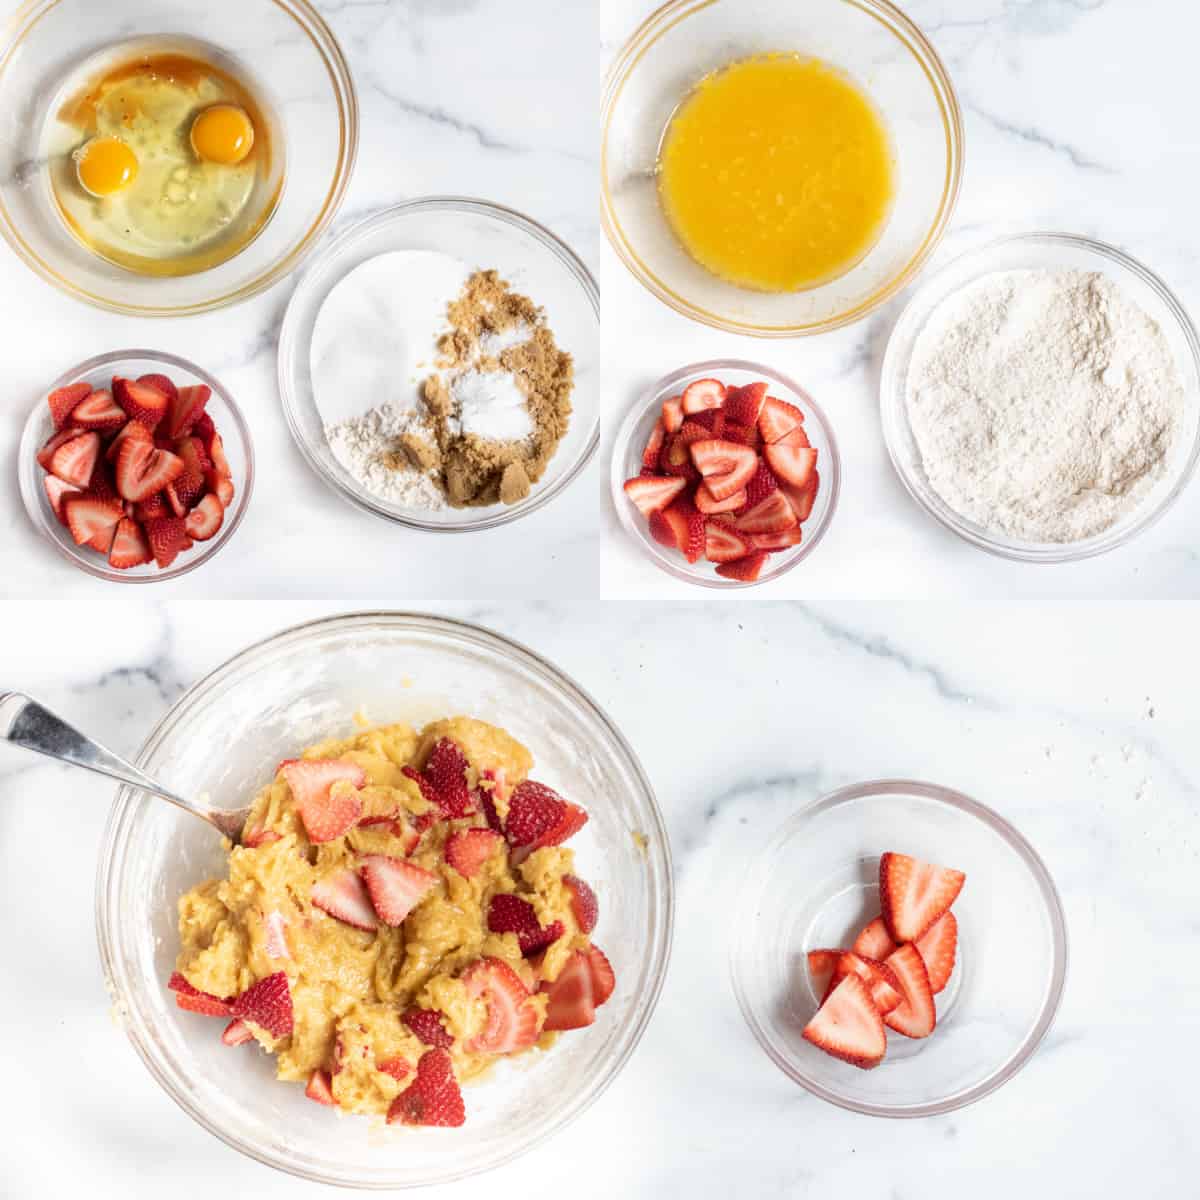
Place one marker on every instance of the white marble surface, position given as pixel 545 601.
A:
pixel 1063 697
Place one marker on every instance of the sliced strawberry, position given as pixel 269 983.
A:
pixel 216 451
pixel 141 401
pixel 702 394
pixel 46 454
pixel 770 515
pixel 791 464
pixel 468 849
pixel 446 771
pixel 723 544
pixel 237 1033
pixel 190 484
pixel 534 809
pixel 152 508
pixel 916 1015
pixel 653 494
pixel 221 486
pixel 342 894
pixel 143 469
pixel 711 419
pixel 204 429
pixel 166 536
pixel 511 1023
pixel 175 506
pixel 761 484
pixel 745 435
pixel 102 486
pixel 743 404
pixel 772 542
pixel 803 499
pixel 205 519
pixel 584 905
pixel 194 1000
pixel 395 1066
pixel 777 419
pixel 938 946
pixel 604 979
pixel 253 838
pixel 56 492
pixel 848 1025
pixel 161 382
pixel 708 504
pixel 913 894
pixel 821 966
pixel 92 522
pixel 184 409
pixel 687 524
pixel 396 886
pixel 63 402
pixel 99 411
pixel 426 1023
pixel 267 1003
pixel 433 1098
pixel 320 1088
pixel 129 547
pixel 874 941
pixel 796 438
pixel 571 1000
pixel 511 914
pixel 327 812
pixel 396 826
pixel 672 414
pixel 654 446
pixel 74 461
pixel 132 430
pixel 727 467
pixel 746 569
pixel 880 979
pixel 276 940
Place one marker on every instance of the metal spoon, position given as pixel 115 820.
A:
pixel 26 723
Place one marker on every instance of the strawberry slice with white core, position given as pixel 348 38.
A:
pixel 342 894
pixel 938 946
pixel 913 894
pixel 777 419
pixel 141 401
pixel 93 522
pixel 849 1026
pixel 510 1022
pixel 320 1088
pixel 468 849
pixel 772 515
pixel 726 466
pixel 99 411
pixel 915 1016
pixel 746 569
pixel 707 503
pixel 193 1000
pixel 792 464
pixel 723 544
pixel 395 885
pixel 571 998
pixel 653 494
pixel 672 414
pixel 770 542
pixel 880 979
pixel 161 382
pixel 327 812
pixel 821 966
pixel 63 402
pixel 743 404
pixel 276 938
pixel 216 451
pixel 237 1033
pixel 131 430
pixel 703 394
pixel 143 469
pixel 129 546
pixel 220 485
pixel 267 1003
pixel 205 519
pixel 184 408
pixel 803 499
pixel 46 454
pixel 56 492
pixel 796 438
pixel 74 460
pixel 874 941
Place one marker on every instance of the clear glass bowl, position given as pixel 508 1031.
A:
pixel 308 87
pixel 817 884
pixel 871 41
pixel 1038 251
pixel 98 371
pixel 635 431
pixel 485 236
pixel 224 737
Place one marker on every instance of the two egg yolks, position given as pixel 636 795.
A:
pixel 221 134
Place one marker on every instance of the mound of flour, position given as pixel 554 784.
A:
pixel 1044 403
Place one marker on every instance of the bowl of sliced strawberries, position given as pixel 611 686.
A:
pixel 902 949
pixel 136 465
pixel 726 473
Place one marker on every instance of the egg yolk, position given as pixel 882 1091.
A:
pixel 222 134
pixel 105 165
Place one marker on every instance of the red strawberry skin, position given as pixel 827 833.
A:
pixel 267 1003
pixel 433 1098
pixel 913 894
pixel 584 905
pixel 427 1025
pixel 512 914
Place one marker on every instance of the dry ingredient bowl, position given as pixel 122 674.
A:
pixel 870 40
pixel 224 737
pixel 1042 251
pixel 484 236
pixel 98 371
pixel 816 885
pixel 293 60
pixel 635 432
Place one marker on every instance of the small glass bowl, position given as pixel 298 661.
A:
pixel 98 371
pixel 817 884
pixel 635 431
pixel 224 736
pixel 1038 251
pixel 307 86
pixel 874 43
pixel 483 235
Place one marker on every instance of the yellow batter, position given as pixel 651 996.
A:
pixel 349 986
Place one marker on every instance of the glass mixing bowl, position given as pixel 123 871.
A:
pixel 308 88
pixel 224 737
pixel 817 884
pixel 870 40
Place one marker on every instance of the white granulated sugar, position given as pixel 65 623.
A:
pixel 1045 404
pixel 364 445
pixel 490 405
pixel 492 345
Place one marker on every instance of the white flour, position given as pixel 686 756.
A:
pixel 1044 403
pixel 364 445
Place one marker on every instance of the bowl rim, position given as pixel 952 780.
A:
pixel 662 21
pixel 960 801
pixel 645 401
pixel 894 410
pixel 125 806
pixel 289 348
pixel 23 21
pixel 33 495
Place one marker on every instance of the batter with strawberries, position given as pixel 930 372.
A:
pixel 401 913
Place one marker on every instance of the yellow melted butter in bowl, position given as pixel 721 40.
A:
pixel 179 212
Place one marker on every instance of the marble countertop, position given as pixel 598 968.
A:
pixel 1063 697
